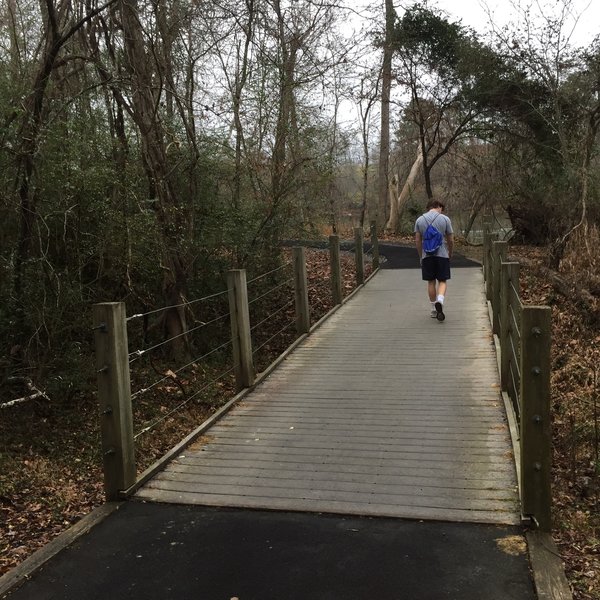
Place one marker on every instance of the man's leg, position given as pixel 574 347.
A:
pixel 442 275
pixel 439 301
pixel 432 290
pixel 432 293
pixel 428 271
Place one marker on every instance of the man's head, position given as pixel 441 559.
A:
pixel 435 204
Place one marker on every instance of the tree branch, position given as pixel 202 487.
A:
pixel 28 383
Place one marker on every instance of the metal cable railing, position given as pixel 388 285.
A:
pixel 266 321
pixel 272 337
pixel 176 372
pixel 271 315
pixel 181 381
pixel 172 374
pixel 271 291
pixel 272 272
pixel 182 305
pixel 164 417
pixel 264 317
pixel 136 354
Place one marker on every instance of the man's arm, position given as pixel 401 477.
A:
pixel 450 243
pixel 419 243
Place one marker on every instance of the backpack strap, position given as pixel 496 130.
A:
pixel 432 220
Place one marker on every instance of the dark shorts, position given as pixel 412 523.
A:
pixel 435 267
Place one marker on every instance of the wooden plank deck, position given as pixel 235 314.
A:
pixel 381 411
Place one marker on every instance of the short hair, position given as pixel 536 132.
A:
pixel 433 203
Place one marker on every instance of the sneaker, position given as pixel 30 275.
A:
pixel 439 312
pixel 433 313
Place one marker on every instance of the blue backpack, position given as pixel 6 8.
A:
pixel 432 238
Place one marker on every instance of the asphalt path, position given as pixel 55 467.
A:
pixel 395 255
pixel 170 552
pixel 403 256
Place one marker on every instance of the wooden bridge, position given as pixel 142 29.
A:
pixel 380 411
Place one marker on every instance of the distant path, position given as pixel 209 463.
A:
pixel 404 256
pixel 397 255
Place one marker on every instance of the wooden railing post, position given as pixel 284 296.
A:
pixel 509 274
pixel 358 255
pixel 535 414
pixel 486 223
pixel 486 248
pixel 336 271
pixel 375 244
pixel 240 328
pixel 488 261
pixel 301 291
pixel 114 395
pixel 498 255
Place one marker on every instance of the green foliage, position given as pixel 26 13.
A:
pixel 427 37
pixel 539 118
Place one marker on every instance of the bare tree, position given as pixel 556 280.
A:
pixel 398 199
pixel 60 25
pixel 367 98
pixel 386 87
pixel 171 213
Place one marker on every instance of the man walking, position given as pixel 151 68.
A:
pixel 435 259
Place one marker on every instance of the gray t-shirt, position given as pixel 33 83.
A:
pixel 441 223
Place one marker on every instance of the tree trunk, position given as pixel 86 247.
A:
pixel 241 77
pixel 283 115
pixel 170 215
pixel 164 56
pixel 386 87
pixel 115 107
pixel 286 132
pixel 426 172
pixel 29 134
pixel 370 95
pixel 15 51
pixel 392 223
pixel 475 210
pixel 590 139
pixel 398 202
pixel 365 181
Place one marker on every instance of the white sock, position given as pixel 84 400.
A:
pixel 440 299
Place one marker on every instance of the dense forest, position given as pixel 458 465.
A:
pixel 147 147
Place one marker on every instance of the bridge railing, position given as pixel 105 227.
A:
pixel 523 334
pixel 113 356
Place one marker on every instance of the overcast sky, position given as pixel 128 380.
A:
pixel 585 21
pixel 473 14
